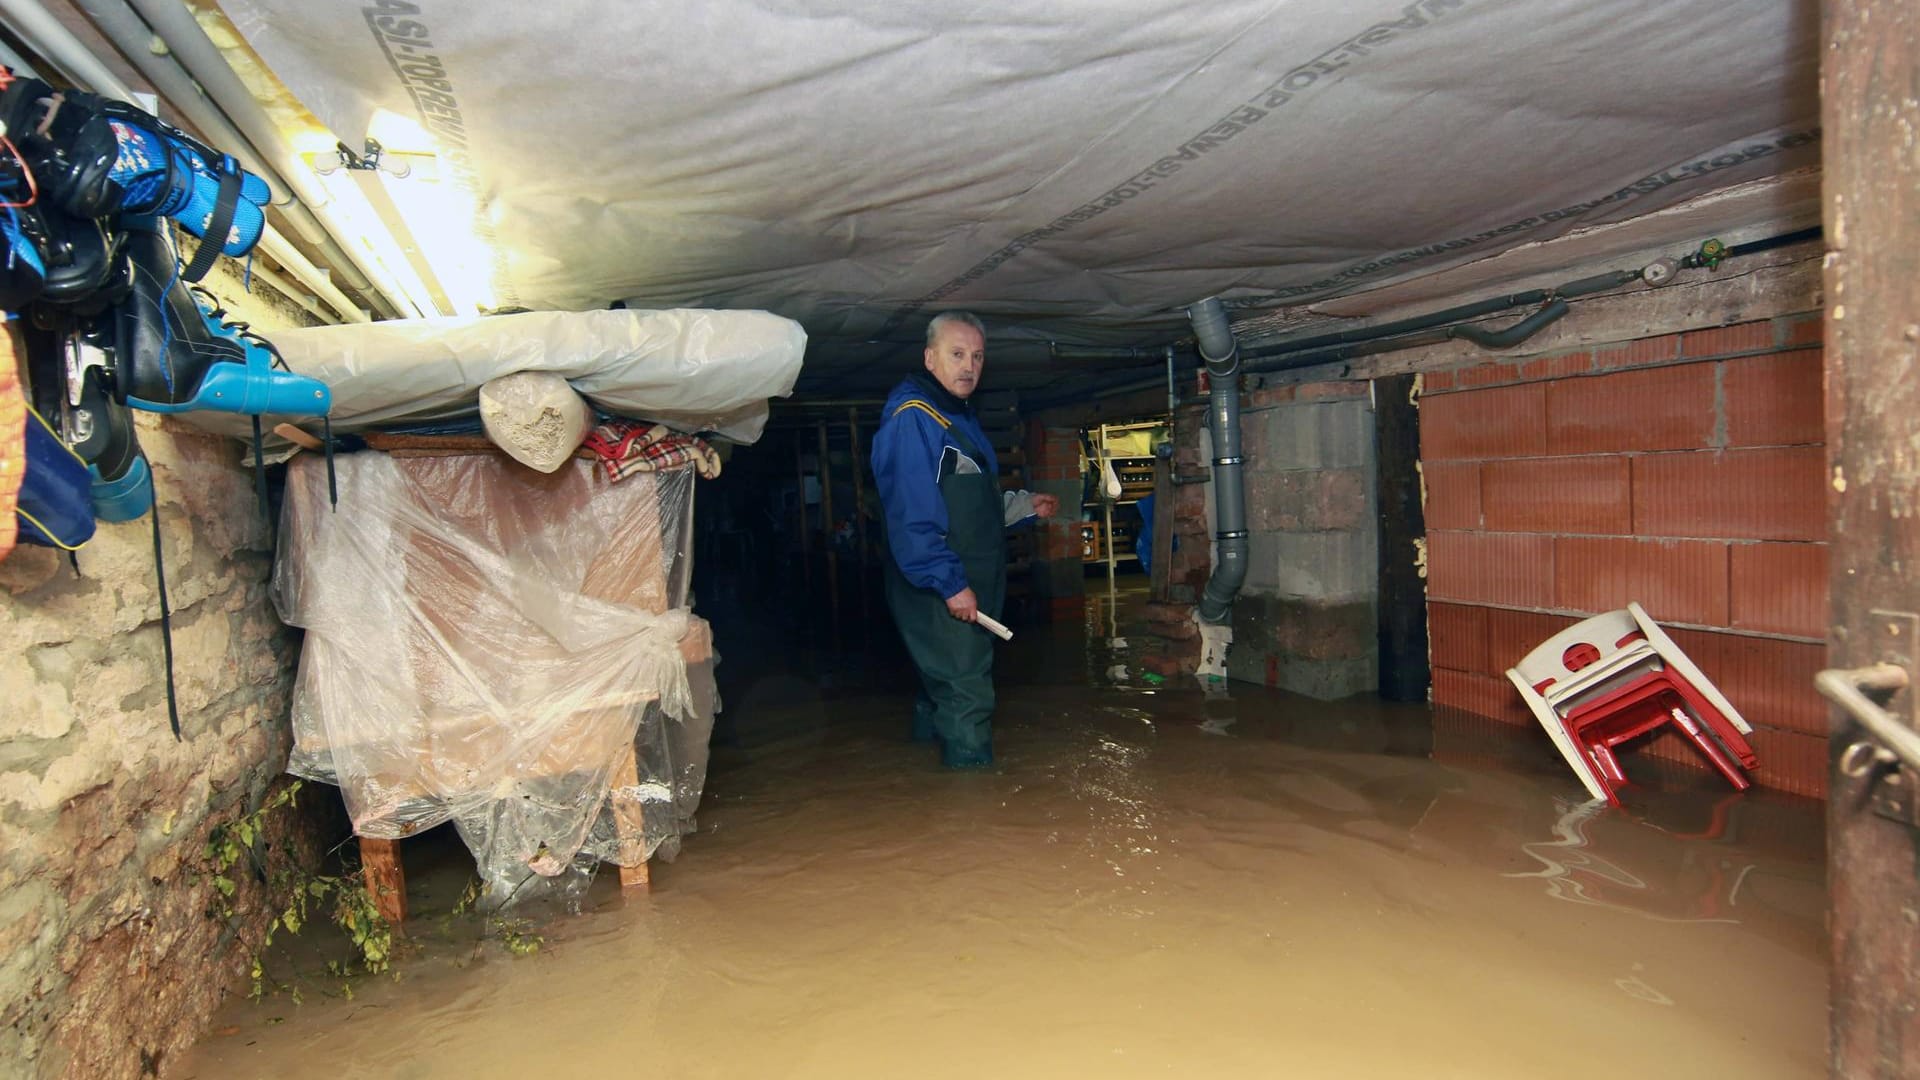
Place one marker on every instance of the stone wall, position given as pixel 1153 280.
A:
pixel 109 959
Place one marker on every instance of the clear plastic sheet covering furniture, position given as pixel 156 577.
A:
pixel 504 649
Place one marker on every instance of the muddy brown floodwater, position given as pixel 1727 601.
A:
pixel 1152 882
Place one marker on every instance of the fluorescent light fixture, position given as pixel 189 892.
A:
pixel 379 235
pixel 412 219
pixel 438 212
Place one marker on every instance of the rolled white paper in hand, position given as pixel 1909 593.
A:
pixel 993 625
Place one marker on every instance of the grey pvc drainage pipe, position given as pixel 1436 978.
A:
pixel 1221 354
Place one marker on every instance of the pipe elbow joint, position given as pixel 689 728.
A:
pixel 1213 335
pixel 1216 603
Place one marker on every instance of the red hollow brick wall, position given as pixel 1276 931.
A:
pixel 1684 471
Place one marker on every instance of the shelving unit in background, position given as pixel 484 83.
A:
pixel 1111 538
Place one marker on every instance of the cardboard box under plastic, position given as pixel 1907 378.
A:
pixel 502 648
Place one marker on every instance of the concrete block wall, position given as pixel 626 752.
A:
pixel 1685 471
pixel 109 960
pixel 1307 618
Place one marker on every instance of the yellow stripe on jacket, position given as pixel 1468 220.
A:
pixel 916 403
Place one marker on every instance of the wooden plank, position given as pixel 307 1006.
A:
pixel 473 444
pixel 827 533
pixel 298 437
pixel 1090 413
pixel 1160 571
pixel 859 509
pixel 1405 673
pixel 1870 66
pixel 800 497
pixel 385 878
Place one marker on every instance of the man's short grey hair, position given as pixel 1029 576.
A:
pixel 964 318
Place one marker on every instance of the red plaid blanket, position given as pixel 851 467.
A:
pixel 624 448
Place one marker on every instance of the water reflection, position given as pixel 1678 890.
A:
pixel 1604 858
pixel 1197 879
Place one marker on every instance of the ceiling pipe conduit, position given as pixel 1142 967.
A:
pixel 1549 313
pixel 282 251
pixel 296 294
pixel 1443 320
pixel 1292 351
pixel 13 60
pixel 201 60
pixel 1057 351
pixel 51 39
pixel 130 34
pixel 1447 324
pixel 134 38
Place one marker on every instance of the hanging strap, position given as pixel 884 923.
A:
pixel 260 485
pixel 214 241
pixel 333 487
pixel 166 622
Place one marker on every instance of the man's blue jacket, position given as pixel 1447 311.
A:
pixel 908 455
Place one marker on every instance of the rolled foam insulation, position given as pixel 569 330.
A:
pixel 536 417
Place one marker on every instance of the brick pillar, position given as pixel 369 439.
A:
pixel 1193 561
pixel 1176 648
pixel 1058 578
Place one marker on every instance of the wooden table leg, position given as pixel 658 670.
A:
pixel 629 818
pixel 386 878
pixel 636 877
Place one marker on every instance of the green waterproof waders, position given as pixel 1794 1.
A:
pixel 955 703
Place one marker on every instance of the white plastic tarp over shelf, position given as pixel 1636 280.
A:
pixel 691 370
pixel 1084 165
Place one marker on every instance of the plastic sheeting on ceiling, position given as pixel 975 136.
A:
pixel 1074 169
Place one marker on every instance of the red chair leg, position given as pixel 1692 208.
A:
pixel 1712 749
pixel 1605 761
pixel 1606 769
pixel 1619 720
pixel 1722 727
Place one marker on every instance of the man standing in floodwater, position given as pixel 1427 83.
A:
pixel 946 523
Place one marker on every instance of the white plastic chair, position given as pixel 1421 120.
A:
pixel 1550 687
pixel 1677 660
pixel 1612 651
